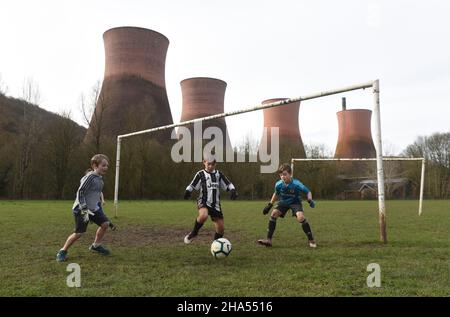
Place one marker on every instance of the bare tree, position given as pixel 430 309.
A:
pixel 317 151
pixel 31 92
pixel 93 108
pixel 29 135
pixel 249 177
pixel 436 149
pixel 417 149
pixel 3 87
pixel 392 169
pixel 27 140
pixel 7 152
pixel 62 139
pixel 389 148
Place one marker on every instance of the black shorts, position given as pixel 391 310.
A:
pixel 212 212
pixel 98 218
pixel 284 209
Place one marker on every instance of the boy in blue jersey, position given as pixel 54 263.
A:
pixel 287 191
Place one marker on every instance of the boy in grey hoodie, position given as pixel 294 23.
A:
pixel 88 207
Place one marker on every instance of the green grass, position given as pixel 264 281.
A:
pixel 149 257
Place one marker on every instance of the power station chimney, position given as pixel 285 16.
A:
pixel 202 97
pixel 355 137
pixel 133 95
pixel 286 119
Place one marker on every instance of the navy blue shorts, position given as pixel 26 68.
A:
pixel 98 218
pixel 284 209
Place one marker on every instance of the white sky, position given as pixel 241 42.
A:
pixel 262 49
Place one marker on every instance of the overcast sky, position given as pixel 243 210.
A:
pixel 262 49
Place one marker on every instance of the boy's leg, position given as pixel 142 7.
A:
pixel 101 233
pixel 199 221
pixel 97 245
pixel 102 221
pixel 71 240
pixel 271 227
pixel 220 227
pixel 306 228
pixel 272 223
pixel 80 228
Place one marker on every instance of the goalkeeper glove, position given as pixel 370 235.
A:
pixel 187 194
pixel 311 203
pixel 112 226
pixel 267 208
pixel 85 214
pixel 233 194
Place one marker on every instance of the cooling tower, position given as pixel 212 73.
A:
pixel 355 137
pixel 286 119
pixel 202 97
pixel 133 94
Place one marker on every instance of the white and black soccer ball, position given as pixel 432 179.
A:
pixel 221 248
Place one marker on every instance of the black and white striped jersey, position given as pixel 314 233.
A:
pixel 209 185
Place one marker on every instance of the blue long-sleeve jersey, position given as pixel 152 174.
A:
pixel 289 194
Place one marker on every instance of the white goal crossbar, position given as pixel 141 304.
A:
pixel 378 144
pixel 422 174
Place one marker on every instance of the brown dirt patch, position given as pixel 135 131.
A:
pixel 142 236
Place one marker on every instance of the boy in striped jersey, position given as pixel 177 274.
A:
pixel 88 207
pixel 208 182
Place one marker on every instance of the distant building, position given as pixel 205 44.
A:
pixel 362 188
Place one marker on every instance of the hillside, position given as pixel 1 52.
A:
pixel 14 111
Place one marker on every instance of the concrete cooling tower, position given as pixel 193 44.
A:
pixel 202 97
pixel 133 94
pixel 286 119
pixel 355 137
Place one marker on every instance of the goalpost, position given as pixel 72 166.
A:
pixel 375 85
pixel 422 174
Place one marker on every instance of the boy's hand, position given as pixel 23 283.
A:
pixel 187 194
pixel 311 203
pixel 85 214
pixel 267 208
pixel 233 194
pixel 83 210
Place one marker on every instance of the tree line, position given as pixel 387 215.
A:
pixel 44 157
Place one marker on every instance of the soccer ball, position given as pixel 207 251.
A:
pixel 220 248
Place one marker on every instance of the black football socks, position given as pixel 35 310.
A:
pixel 307 229
pixel 271 227
pixel 197 227
pixel 218 235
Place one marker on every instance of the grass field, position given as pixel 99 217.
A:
pixel 149 257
